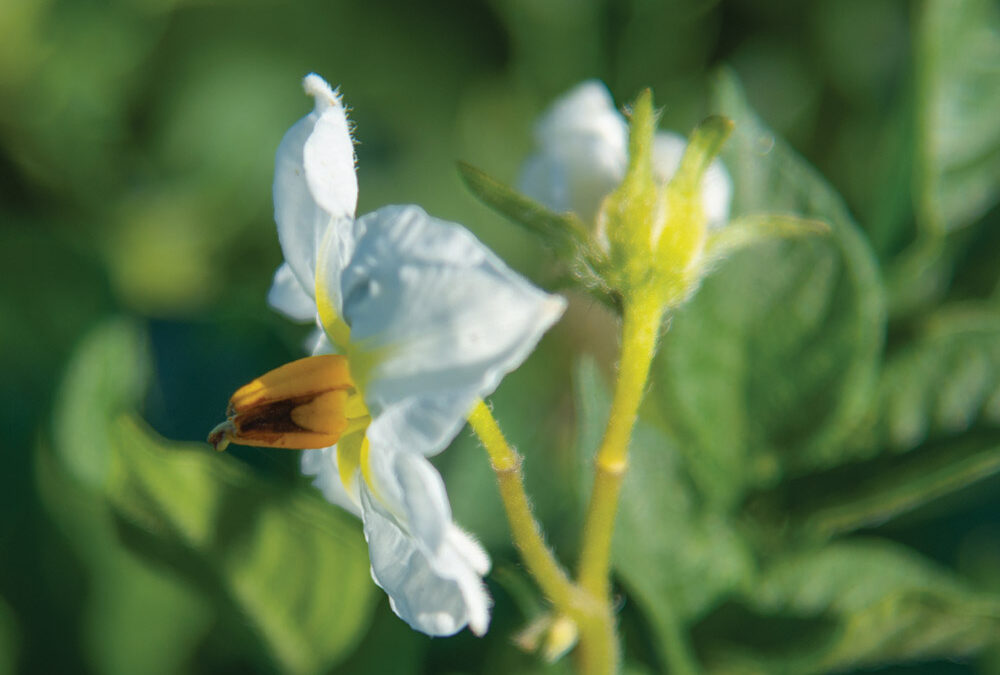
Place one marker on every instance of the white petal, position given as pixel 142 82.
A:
pixel 288 297
pixel 318 343
pixel 668 148
pixel 436 321
pixel 322 464
pixel 716 194
pixel 432 586
pixel 470 550
pixel 583 143
pixel 335 252
pixel 314 179
pixel 411 489
pixel 716 186
pixel 587 110
pixel 544 178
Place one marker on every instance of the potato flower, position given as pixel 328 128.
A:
pixel 419 321
pixel 583 155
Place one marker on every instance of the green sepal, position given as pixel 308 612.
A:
pixel 749 230
pixel 564 233
pixel 629 211
pixel 703 146
pixel 681 238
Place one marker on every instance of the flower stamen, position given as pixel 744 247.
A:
pixel 301 405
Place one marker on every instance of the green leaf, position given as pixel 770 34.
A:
pixel 753 229
pixel 703 146
pixel 958 49
pixel 870 493
pixel 276 559
pixel 389 646
pixel 293 566
pixel 8 640
pixel 676 559
pixel 935 430
pixel 943 382
pixel 107 375
pixel 880 603
pixel 629 209
pixel 772 365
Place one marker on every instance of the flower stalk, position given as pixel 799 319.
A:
pixel 598 646
pixel 640 329
pixel 587 600
pixel 525 530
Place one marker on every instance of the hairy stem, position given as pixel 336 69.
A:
pixel 527 535
pixel 640 329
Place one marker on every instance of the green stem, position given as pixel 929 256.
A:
pixel 588 602
pixel 527 535
pixel 597 653
pixel 640 329
pixel 598 645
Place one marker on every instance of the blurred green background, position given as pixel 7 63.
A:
pixel 815 486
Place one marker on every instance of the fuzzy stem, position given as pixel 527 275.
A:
pixel 537 556
pixel 640 329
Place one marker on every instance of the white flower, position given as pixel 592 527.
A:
pixel 429 321
pixel 583 155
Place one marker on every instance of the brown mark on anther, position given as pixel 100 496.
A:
pixel 300 405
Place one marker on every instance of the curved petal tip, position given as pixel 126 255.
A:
pixel 318 88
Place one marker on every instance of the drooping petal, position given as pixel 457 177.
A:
pixel 288 297
pixel 322 464
pixel 433 582
pixel 436 321
pixel 583 152
pixel 716 186
pixel 314 179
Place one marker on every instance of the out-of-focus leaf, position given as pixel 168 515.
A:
pixel 163 255
pixel 919 276
pixel 135 617
pixel 772 364
pixel 20 48
pixel 676 559
pixel 8 640
pixel 107 375
pixel 389 646
pixel 781 84
pixel 293 566
pixel 68 121
pixel 940 405
pixel 958 52
pixel 943 382
pixel 121 587
pixel 882 603
pixel 871 493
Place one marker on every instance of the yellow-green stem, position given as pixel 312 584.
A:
pixel 640 329
pixel 597 652
pixel 537 556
